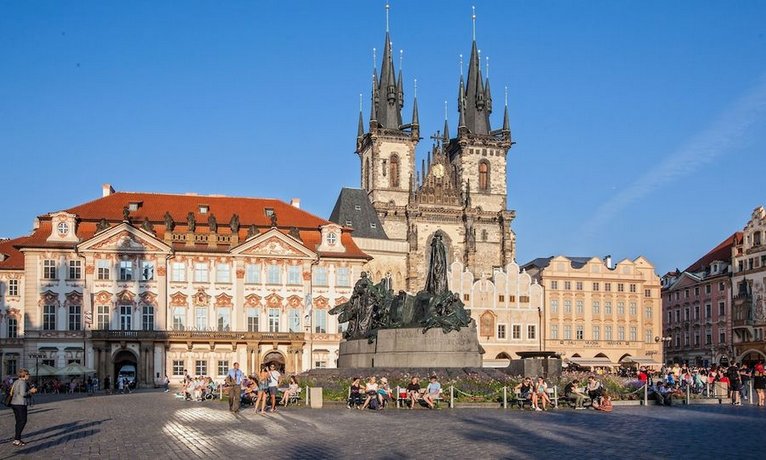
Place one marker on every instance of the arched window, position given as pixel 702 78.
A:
pixel 394 173
pixel 483 176
pixel 367 173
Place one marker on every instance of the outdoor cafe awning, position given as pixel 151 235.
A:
pixel 592 362
pixel 645 361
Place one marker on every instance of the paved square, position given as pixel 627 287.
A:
pixel 153 424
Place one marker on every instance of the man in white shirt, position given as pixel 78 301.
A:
pixel 274 377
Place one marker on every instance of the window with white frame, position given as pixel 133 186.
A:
pixel 501 331
pixel 253 274
pixel 579 333
pixel 179 318
pixel 200 367
pixel 294 320
pixel 147 318
pixel 13 328
pixel 721 308
pixel 567 332
pixel 607 332
pixel 13 288
pixel 567 285
pixel 620 287
pixel 103 317
pixel 178 272
pixel 633 308
pixel 596 333
pixel 75 269
pixel 75 317
pixel 647 312
pixel 147 270
pixel 607 307
pixel 200 318
pixel 633 333
pixel 554 331
pixel 342 277
pixel 126 317
pixel 554 285
pixel 49 317
pixel 320 321
pixel 273 274
pixel 273 319
pixel 201 272
pixel 596 308
pixel 555 307
pixel 516 330
pixel 294 275
pixel 253 320
pixel 567 306
pixel 596 286
pixel 620 332
pixel 49 269
pixel 578 286
pixel 178 368
pixel 320 276
pixel 579 307
pixel 126 270
pixel 621 308
pixel 223 273
pixel 648 336
pixel 223 367
pixel 223 320
pixel 632 287
pixel 531 331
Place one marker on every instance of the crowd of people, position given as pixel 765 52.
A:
pixel 377 395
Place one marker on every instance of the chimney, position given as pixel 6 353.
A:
pixel 296 203
pixel 106 190
pixel 608 261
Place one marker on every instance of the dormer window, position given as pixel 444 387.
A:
pixel 373 225
pixel 134 205
pixel 269 212
pixel 348 223
pixel 203 209
pixel 357 207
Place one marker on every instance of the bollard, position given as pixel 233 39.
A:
pixel 688 387
pixel 646 394
pixel 220 392
pixel 750 393
pixel 307 395
pixel 505 397
pixel 451 397
pixel 556 396
pixel 397 396
pixel 707 389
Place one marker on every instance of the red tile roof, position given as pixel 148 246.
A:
pixel 13 259
pixel 153 207
pixel 720 252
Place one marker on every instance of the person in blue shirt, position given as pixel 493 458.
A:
pixel 234 378
pixel 433 391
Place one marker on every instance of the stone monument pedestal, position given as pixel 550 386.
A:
pixel 410 347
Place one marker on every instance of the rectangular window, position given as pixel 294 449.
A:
pixel 253 320
pixel 294 320
pixel 620 332
pixel 273 274
pixel 567 332
pixel 294 275
pixel 222 273
pixel 13 288
pixel 223 319
pixel 200 368
pixel 579 332
pixel 578 285
pixel 320 276
pixel 721 286
pixel 708 310
pixel 721 308
pixel 179 318
pixel 632 288
pixel 647 312
pixel 554 331
pixel 126 270
pixel 596 308
pixel 178 368
pixel 633 333
pixel 686 339
pixel 200 272
pixel 722 337
pixel 608 287
pixel 320 321
pixel 678 316
pixel 501 331
pixel 633 309
pixel 126 317
pixel 708 338
pixel 696 339
pixel 608 308
pixel 178 272
pixel 579 307
pixel 554 285
pixel 647 292
pixel 75 269
pixel 13 328
pixel 49 269
pixel 567 285
pixel 273 319
pixel 607 332
pixel 49 317
pixel 75 316
pixel 596 333
pixel 200 318
pixel 253 274
pixel 531 331
pixel 103 317
pixel 223 367
pixel 620 287
pixel 670 317
pixel 147 318
pixel 567 306
pixel 648 336
pixel 516 330
pixel 342 277
pixel 708 289
pixel 596 286
pixel 686 293
pixel 686 314
pixel 696 312
pixel 554 307
pixel 147 270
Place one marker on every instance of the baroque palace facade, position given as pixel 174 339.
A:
pixel 155 281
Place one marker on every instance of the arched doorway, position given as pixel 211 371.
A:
pixel 125 363
pixel 503 355
pixel 276 358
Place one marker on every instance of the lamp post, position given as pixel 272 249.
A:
pixel 540 326
pixel 665 341
pixel 36 356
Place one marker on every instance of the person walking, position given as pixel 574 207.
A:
pixel 274 377
pixel 166 383
pixel 20 394
pixel 235 389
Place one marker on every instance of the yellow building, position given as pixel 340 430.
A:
pixel 597 314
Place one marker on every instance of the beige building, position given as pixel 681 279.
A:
pixel 154 282
pixel 507 309
pixel 748 283
pixel 599 315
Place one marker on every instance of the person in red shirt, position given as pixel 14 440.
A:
pixel 642 375
pixel 759 382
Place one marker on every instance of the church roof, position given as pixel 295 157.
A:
pixel 353 209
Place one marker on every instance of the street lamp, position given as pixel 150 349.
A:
pixel 665 342
pixel 37 357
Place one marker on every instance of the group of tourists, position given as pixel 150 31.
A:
pixel 736 380
pixel 259 389
pixel 376 395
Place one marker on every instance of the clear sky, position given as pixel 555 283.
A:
pixel 640 125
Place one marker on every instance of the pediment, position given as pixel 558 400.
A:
pixel 148 298
pixel 294 301
pixel 253 300
pixel 273 244
pixel 273 300
pixel 179 299
pixel 223 300
pixel 125 238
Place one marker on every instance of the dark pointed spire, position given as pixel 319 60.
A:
pixel 360 128
pixel 487 96
pixel 389 95
pixel 506 118
pixel 476 102
pixel 461 107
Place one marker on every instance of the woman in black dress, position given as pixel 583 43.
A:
pixel 759 382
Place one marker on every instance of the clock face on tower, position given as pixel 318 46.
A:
pixel 62 228
pixel 438 171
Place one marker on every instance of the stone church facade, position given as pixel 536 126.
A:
pixel 459 190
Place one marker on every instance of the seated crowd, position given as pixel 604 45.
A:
pixel 377 396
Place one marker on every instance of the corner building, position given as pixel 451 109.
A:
pixel 749 288
pixel 170 283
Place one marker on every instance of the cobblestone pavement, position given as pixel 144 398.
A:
pixel 156 425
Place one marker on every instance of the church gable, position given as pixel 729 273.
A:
pixel 124 238
pixel 273 244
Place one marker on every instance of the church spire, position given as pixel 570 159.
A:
pixel 476 108
pixel 390 96
pixel 415 118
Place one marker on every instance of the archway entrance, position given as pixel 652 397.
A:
pixel 125 364
pixel 277 359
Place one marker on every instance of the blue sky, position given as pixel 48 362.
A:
pixel 639 124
